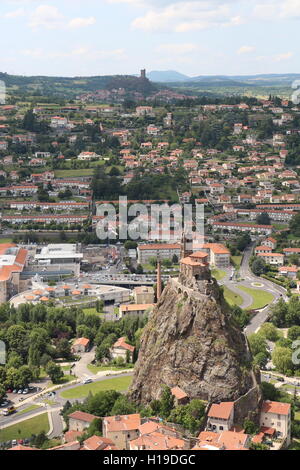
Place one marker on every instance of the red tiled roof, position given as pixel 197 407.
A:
pixel 276 407
pixel 221 410
pixel 82 416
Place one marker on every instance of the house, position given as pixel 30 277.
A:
pixel 79 420
pixel 143 295
pixel 80 345
pixel 220 417
pixel 289 271
pixel 271 242
pixel 87 156
pixel 276 259
pixel 225 440
pixel 180 397
pixel 157 441
pixel 121 429
pixel 219 255
pixel 277 415
pixel 291 251
pixel 98 443
pixel 134 309
pixel 263 249
pixel 121 349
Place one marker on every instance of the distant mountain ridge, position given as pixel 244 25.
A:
pixel 170 76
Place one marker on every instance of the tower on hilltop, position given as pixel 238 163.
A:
pixel 143 74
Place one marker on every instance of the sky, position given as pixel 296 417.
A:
pixel 194 37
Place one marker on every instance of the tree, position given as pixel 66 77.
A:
pixel 101 404
pixel 294 332
pixel 279 313
pixel 269 331
pixel 295 225
pixel 261 360
pixel 54 371
pixel 263 219
pixel 166 402
pixel 2 392
pixel 123 406
pixel 189 416
pixel 250 427
pixel 282 360
pixel 269 392
pixel 258 266
pixel 257 343
pixel 63 348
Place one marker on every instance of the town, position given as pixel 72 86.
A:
pixel 77 312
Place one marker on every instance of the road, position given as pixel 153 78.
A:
pixel 253 282
pixel 53 409
pixel 274 289
pixel 80 370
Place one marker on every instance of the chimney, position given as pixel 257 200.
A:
pixel 159 284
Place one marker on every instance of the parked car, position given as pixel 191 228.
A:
pixel 25 391
pixel 14 442
pixel 87 381
pixel 20 391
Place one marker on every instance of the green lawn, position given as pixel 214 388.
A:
pixel 95 369
pixel 260 298
pixel 91 311
pixel 26 428
pixel 232 298
pixel 218 274
pixel 236 261
pixel 119 384
pixel 27 410
pixel 73 173
pixel 5 240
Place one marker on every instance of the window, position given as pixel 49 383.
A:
pixel 221 428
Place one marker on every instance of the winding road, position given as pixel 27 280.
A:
pixel 250 280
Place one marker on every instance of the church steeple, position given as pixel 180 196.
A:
pixel 186 246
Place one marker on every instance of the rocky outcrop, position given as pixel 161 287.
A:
pixel 191 342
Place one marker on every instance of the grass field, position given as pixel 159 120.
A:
pixel 260 297
pixel 95 369
pixel 91 311
pixel 119 384
pixel 73 173
pixel 232 298
pixel 236 261
pixel 218 274
pixel 5 240
pixel 27 410
pixel 25 429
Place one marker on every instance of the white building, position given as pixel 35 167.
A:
pixel 87 156
pixel 277 415
pixel 220 417
pixel 161 250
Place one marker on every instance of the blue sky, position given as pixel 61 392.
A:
pixel 196 37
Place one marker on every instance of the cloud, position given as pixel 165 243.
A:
pixel 46 16
pixel 281 57
pixel 245 50
pixel 49 17
pixel 278 10
pixel 81 22
pixel 188 16
pixel 15 13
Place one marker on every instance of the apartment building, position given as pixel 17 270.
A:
pixel 155 250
